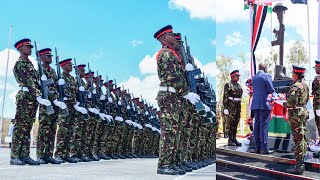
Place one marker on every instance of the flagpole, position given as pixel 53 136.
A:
pixel 271 30
pixel 5 82
pixel 309 47
pixel 251 53
pixel 318 53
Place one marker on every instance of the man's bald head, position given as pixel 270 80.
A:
pixel 263 67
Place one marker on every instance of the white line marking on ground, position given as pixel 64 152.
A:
pixel 180 177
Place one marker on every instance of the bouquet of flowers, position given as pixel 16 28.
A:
pixel 314 145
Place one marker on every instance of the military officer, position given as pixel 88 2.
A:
pixel 48 123
pixel 173 88
pixel 232 106
pixel 316 94
pixel 27 100
pixel 297 99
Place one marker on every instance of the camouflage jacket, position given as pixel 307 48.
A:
pixel 171 72
pixel 27 76
pixel 53 88
pixel 71 90
pixel 316 92
pixel 298 95
pixel 231 90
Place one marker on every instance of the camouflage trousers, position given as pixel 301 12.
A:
pixel 297 121
pixel 118 139
pixel 65 133
pixel 170 108
pixel 98 137
pixel 137 142
pixel 317 120
pixel 88 137
pixel 106 133
pixel 110 147
pixel 46 132
pixel 25 117
pixel 232 120
pixel 127 139
pixel 78 135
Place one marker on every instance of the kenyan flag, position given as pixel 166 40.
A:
pixel 247 7
pixel 279 125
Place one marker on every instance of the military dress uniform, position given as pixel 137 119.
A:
pixel 232 105
pixel 48 123
pixel 297 100
pixel 26 103
pixel 173 86
pixel 65 124
pixel 316 99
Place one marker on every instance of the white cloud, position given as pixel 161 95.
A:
pixel 200 9
pixel 135 43
pixel 228 11
pixel 148 65
pixel 214 42
pixel 13 57
pixel 148 85
pixel 97 54
pixel 236 38
pixel 209 69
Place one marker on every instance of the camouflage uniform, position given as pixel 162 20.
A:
pixel 232 90
pixel 171 74
pixel 79 135
pixel 298 97
pixel 316 99
pixel 26 76
pixel 48 123
pixel 66 124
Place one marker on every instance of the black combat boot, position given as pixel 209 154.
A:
pixel 181 171
pixel 30 161
pixel 230 140
pixel 167 170
pixel 95 158
pixel 51 160
pixel 298 168
pixel 42 161
pixel 70 160
pixel 16 161
pixel 59 159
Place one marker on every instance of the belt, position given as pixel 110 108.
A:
pixel 25 89
pixel 167 88
pixel 234 99
pixel 297 107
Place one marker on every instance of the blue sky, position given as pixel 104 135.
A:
pixel 232 30
pixel 116 37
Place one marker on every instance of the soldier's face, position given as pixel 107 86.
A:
pixel 81 72
pixel 294 77
pixel 47 59
pixel 317 69
pixel 171 40
pixel 25 49
pixel 235 78
pixel 67 67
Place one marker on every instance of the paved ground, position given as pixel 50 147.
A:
pixel 126 169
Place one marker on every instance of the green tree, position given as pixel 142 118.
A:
pixel 298 54
pixel 224 65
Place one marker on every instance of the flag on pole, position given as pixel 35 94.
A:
pixel 258 18
pixel 299 1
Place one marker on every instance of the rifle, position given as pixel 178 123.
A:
pixel 107 104
pixel 81 95
pixel 43 83
pixel 64 112
pixel 93 95
pixel 118 101
pixel 191 81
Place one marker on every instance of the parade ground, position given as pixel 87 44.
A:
pixel 126 169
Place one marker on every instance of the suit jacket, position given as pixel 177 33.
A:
pixel 262 87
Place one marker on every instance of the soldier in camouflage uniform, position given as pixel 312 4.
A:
pixel 66 124
pixel 79 127
pixel 48 123
pixel 232 106
pixel 173 88
pixel 297 100
pixel 316 94
pixel 27 100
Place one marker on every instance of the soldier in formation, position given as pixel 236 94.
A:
pixel 186 141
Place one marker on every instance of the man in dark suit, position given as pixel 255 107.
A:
pixel 262 87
